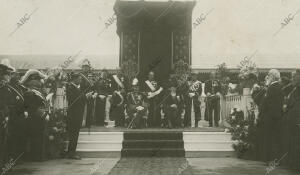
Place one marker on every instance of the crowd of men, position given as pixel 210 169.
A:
pixel 27 102
pixel 278 122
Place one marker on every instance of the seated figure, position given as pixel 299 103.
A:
pixel 173 108
pixel 136 110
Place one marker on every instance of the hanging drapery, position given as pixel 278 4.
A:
pixel 138 15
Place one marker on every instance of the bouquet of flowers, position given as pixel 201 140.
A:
pixel 181 72
pixel 129 69
pixel 242 131
pixel 223 76
pixel 247 67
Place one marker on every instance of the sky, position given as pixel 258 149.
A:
pixel 231 31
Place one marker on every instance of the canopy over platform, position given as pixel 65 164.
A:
pixel 154 35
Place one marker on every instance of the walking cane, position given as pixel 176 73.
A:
pixel 131 123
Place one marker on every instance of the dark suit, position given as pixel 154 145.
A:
pixel 291 130
pixel 76 102
pixel 213 102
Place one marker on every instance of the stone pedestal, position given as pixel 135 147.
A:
pixel 110 124
pixel 202 122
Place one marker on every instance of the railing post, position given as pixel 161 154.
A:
pixel 247 99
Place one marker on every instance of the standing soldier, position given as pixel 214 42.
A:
pixel 76 101
pixel 5 99
pixel 36 112
pixel 192 101
pixel 212 91
pixel 153 89
pixel 173 107
pixel 119 89
pixel 136 107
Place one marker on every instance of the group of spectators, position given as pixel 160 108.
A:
pixel 278 122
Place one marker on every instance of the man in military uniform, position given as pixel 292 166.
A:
pixel 154 91
pixel 36 112
pixel 102 88
pixel 17 122
pixel 6 97
pixel 87 87
pixel 173 107
pixel 212 91
pixel 76 102
pixel 192 110
pixel 119 88
pixel 136 110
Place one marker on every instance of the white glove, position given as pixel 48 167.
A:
pixel 173 106
pixel 140 108
pixel 47 118
pixel 26 114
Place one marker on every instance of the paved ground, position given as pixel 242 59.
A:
pixel 147 166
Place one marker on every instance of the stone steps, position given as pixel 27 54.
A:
pixel 148 143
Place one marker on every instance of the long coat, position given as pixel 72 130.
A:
pixel 291 129
pixel 269 119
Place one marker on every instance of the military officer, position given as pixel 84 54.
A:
pixel 17 123
pixel 119 89
pixel 136 110
pixel 192 110
pixel 87 87
pixel 154 92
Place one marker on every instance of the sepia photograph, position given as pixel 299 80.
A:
pixel 149 87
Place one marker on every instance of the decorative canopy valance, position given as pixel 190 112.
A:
pixel 140 15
